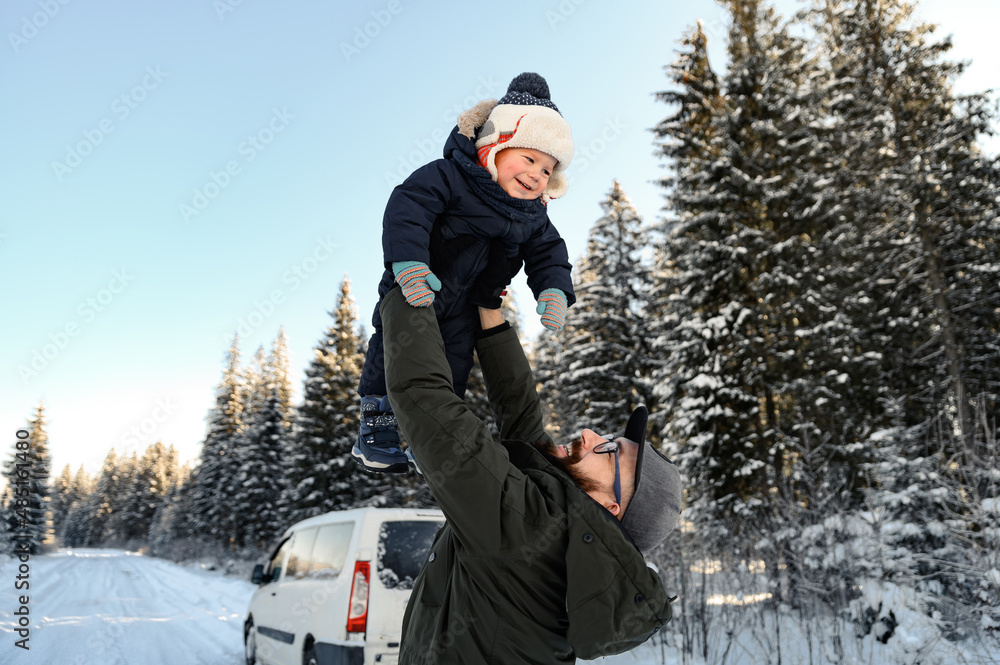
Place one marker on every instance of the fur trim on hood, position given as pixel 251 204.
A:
pixel 471 120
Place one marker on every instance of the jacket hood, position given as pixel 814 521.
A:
pixel 457 141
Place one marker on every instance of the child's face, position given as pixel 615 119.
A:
pixel 523 172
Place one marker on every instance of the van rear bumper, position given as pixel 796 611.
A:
pixel 336 654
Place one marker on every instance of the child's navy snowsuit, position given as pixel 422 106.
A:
pixel 437 218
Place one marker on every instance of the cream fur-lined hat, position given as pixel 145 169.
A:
pixel 525 117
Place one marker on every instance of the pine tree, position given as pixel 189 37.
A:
pixel 173 526
pixel 7 524
pixel 321 476
pixel 105 502
pixel 63 497
pixel 28 492
pixel 926 197
pixel 262 449
pixel 214 477
pixel 76 526
pixel 151 477
pixel 736 194
pixel 122 528
pixel 277 364
pixel 605 336
pixel 920 228
pixel 254 392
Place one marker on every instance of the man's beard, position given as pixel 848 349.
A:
pixel 569 464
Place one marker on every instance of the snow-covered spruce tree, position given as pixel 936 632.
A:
pixel 254 393
pixel 122 529
pixel 606 375
pixel 927 197
pixel 62 498
pixel 729 279
pixel 105 501
pixel 278 364
pixel 29 515
pixel 679 295
pixel 699 286
pixel 685 140
pixel 211 506
pixel 172 534
pixel 261 451
pixel 922 205
pixel 320 475
pixel 76 525
pixel 7 523
pixel 153 475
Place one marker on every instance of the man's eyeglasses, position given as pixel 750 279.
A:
pixel 611 446
pixel 607 447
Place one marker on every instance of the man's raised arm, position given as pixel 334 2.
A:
pixel 463 467
pixel 510 383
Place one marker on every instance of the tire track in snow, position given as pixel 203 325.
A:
pixel 106 607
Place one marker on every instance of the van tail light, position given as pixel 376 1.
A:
pixel 357 611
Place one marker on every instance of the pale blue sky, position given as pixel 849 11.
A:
pixel 116 114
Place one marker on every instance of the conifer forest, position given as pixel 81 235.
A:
pixel 812 318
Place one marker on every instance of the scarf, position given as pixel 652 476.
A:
pixel 493 195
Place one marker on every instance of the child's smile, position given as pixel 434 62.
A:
pixel 524 172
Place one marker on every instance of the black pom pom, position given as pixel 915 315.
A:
pixel 531 83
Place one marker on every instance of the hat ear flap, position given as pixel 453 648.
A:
pixel 558 185
pixel 469 121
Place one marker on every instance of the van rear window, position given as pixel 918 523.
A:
pixel 330 550
pixel 402 548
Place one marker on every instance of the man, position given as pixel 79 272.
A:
pixel 528 568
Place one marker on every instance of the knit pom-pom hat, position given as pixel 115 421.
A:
pixel 523 118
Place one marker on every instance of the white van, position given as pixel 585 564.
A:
pixel 335 588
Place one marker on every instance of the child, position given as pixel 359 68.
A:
pixel 502 164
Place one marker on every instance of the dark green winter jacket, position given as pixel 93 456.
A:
pixel 528 568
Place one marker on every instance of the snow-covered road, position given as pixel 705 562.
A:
pixel 108 607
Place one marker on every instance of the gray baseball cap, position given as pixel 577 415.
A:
pixel 655 508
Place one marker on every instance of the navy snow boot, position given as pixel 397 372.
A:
pixel 377 448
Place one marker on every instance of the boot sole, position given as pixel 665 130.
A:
pixel 374 468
